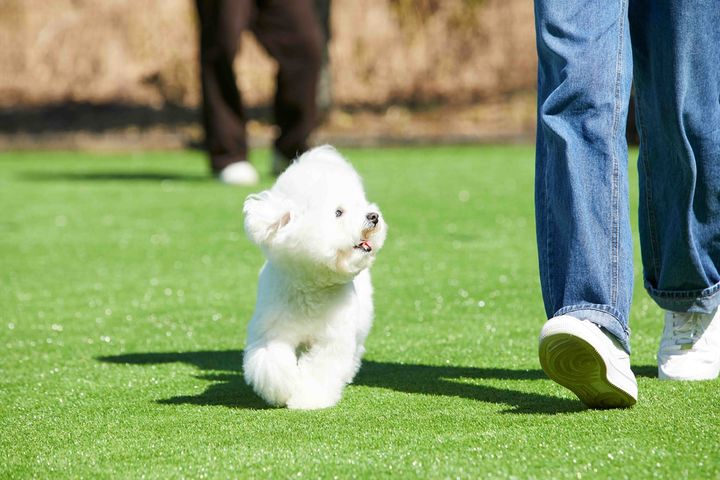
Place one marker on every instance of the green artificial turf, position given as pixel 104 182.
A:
pixel 127 282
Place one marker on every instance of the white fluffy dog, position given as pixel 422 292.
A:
pixel 314 305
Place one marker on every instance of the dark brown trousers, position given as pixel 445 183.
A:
pixel 290 32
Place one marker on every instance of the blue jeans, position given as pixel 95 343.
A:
pixel 589 51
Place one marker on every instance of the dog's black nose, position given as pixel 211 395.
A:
pixel 372 217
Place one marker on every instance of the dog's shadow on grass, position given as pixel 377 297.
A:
pixel 229 388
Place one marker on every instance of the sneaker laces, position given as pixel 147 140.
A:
pixel 687 329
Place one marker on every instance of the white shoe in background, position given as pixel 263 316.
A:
pixel 239 173
pixel 690 346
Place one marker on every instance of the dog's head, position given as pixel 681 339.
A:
pixel 316 220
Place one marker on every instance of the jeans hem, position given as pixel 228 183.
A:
pixel 603 316
pixel 696 301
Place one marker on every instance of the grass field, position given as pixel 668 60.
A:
pixel 127 282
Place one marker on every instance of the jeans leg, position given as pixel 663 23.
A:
pixel 676 46
pixel 581 197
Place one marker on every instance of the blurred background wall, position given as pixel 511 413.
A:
pixel 421 55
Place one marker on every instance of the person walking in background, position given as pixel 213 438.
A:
pixel 588 51
pixel 291 34
pixel 324 92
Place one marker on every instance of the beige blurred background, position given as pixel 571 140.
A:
pixel 107 73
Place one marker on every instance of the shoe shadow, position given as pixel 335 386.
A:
pixel 114 176
pixel 228 387
pixel 647 371
pixel 463 382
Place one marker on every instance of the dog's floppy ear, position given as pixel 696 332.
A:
pixel 265 214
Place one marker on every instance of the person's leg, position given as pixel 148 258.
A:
pixel 221 24
pixel 291 34
pixel 581 197
pixel 325 94
pixel 677 79
pixel 583 230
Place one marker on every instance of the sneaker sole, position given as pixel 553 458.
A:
pixel 685 378
pixel 576 365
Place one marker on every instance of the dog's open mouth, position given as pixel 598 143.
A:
pixel 364 245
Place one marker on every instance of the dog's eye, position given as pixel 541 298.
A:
pixel 338 212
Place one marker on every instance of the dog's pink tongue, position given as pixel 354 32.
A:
pixel 365 246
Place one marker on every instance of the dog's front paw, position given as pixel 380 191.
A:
pixel 313 399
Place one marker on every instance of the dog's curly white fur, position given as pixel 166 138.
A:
pixel 314 307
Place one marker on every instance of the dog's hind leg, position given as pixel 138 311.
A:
pixel 271 369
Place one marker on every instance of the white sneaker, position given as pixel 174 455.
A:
pixel 239 173
pixel 578 355
pixel 690 347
